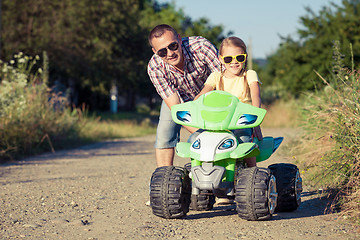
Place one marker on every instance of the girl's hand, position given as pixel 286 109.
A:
pixel 258 133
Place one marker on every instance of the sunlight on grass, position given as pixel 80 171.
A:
pixel 95 129
pixel 281 114
pixel 331 121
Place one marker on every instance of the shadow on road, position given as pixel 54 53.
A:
pixel 313 204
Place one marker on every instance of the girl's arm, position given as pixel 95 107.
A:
pixel 207 88
pixel 256 102
pixel 255 94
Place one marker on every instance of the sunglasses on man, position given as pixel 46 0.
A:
pixel 172 47
pixel 239 58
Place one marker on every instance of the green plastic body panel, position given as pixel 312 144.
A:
pixel 229 165
pixel 263 151
pixel 266 146
pixel 217 110
pixel 183 149
pixel 245 150
pixel 221 111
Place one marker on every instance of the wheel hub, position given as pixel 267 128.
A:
pixel 272 194
pixel 298 187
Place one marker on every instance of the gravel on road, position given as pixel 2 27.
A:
pixel 99 192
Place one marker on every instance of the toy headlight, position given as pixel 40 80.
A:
pixel 196 144
pixel 228 143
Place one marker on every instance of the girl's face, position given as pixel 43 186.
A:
pixel 233 68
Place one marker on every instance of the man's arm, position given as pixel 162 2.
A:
pixel 210 56
pixel 173 100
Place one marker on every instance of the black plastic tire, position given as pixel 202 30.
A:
pixel 255 194
pixel 204 201
pixel 170 192
pixel 289 186
pixel 187 166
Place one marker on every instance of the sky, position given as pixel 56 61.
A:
pixel 258 23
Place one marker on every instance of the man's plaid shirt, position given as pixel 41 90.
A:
pixel 200 60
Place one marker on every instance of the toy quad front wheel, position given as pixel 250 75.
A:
pixel 289 186
pixel 170 192
pixel 256 194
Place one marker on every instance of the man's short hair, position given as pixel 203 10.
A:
pixel 159 30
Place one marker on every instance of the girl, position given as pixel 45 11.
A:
pixel 237 80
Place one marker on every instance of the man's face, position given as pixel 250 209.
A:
pixel 167 44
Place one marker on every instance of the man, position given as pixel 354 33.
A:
pixel 178 70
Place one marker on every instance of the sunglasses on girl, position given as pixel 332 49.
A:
pixel 239 58
pixel 172 47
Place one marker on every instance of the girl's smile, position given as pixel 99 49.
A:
pixel 234 68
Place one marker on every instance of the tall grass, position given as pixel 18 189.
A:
pixel 281 114
pixel 33 119
pixel 332 124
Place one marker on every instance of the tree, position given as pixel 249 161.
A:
pixel 292 65
pixel 93 44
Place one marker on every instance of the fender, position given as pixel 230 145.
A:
pixel 217 110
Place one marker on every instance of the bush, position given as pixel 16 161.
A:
pixel 332 118
pixel 31 118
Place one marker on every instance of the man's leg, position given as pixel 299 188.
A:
pixel 164 156
pixel 250 162
pixel 167 136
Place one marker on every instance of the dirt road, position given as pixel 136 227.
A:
pixel 99 192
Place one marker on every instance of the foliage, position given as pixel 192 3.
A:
pixel 332 117
pixel 34 119
pixel 14 77
pixel 94 44
pixel 292 65
pixel 167 13
pixel 30 120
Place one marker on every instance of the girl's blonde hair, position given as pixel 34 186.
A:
pixel 234 42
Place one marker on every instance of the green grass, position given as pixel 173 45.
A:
pixel 42 129
pixel 331 119
pixel 33 120
pixel 328 153
pixel 104 126
pixel 281 114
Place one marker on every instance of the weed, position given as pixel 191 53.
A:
pixel 33 119
pixel 332 119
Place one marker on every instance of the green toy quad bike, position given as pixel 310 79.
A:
pixel 217 168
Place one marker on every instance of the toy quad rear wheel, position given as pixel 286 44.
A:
pixel 289 186
pixel 170 192
pixel 204 201
pixel 256 194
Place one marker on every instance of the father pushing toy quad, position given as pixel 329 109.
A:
pixel 178 70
